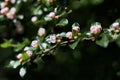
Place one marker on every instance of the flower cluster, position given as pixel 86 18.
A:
pixel 50 40
pixel 48 16
pixel 5 10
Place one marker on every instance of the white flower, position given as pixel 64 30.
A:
pixel 29 53
pixel 34 19
pixel 34 44
pixel 69 35
pixel 95 29
pixel 41 31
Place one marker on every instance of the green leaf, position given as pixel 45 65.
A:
pixel 32 48
pixel 43 21
pixel 20 46
pixel 7 44
pixel 20 17
pixel 25 41
pixel 62 22
pixel 74 45
pixel 75 24
pixel 2 17
pixel 118 41
pixel 24 56
pixel 14 64
pixel 36 10
pixel 22 72
pixel 103 42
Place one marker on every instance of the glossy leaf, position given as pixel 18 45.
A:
pixel 62 22
pixel 103 42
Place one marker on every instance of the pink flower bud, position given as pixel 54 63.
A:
pixel 51 1
pixel 41 31
pixel 95 29
pixel 3 4
pixel 34 19
pixel 7 0
pixel 19 56
pixel 115 25
pixel 4 10
pixel 51 15
pixel 69 35
pixel 34 44
pixel 29 53
pixel 9 15
pixel 76 28
pixel 53 38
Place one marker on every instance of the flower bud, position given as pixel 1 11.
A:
pixel 51 15
pixel 3 4
pixel 115 25
pixel 13 1
pixel 29 53
pixel 13 10
pixel 41 31
pixel 7 0
pixel 76 28
pixel 26 48
pixel 34 44
pixel 51 1
pixel 4 11
pixel 53 38
pixel 63 34
pixel 34 19
pixel 69 35
pixel 19 56
pixel 43 45
pixel 95 29
pixel 9 15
